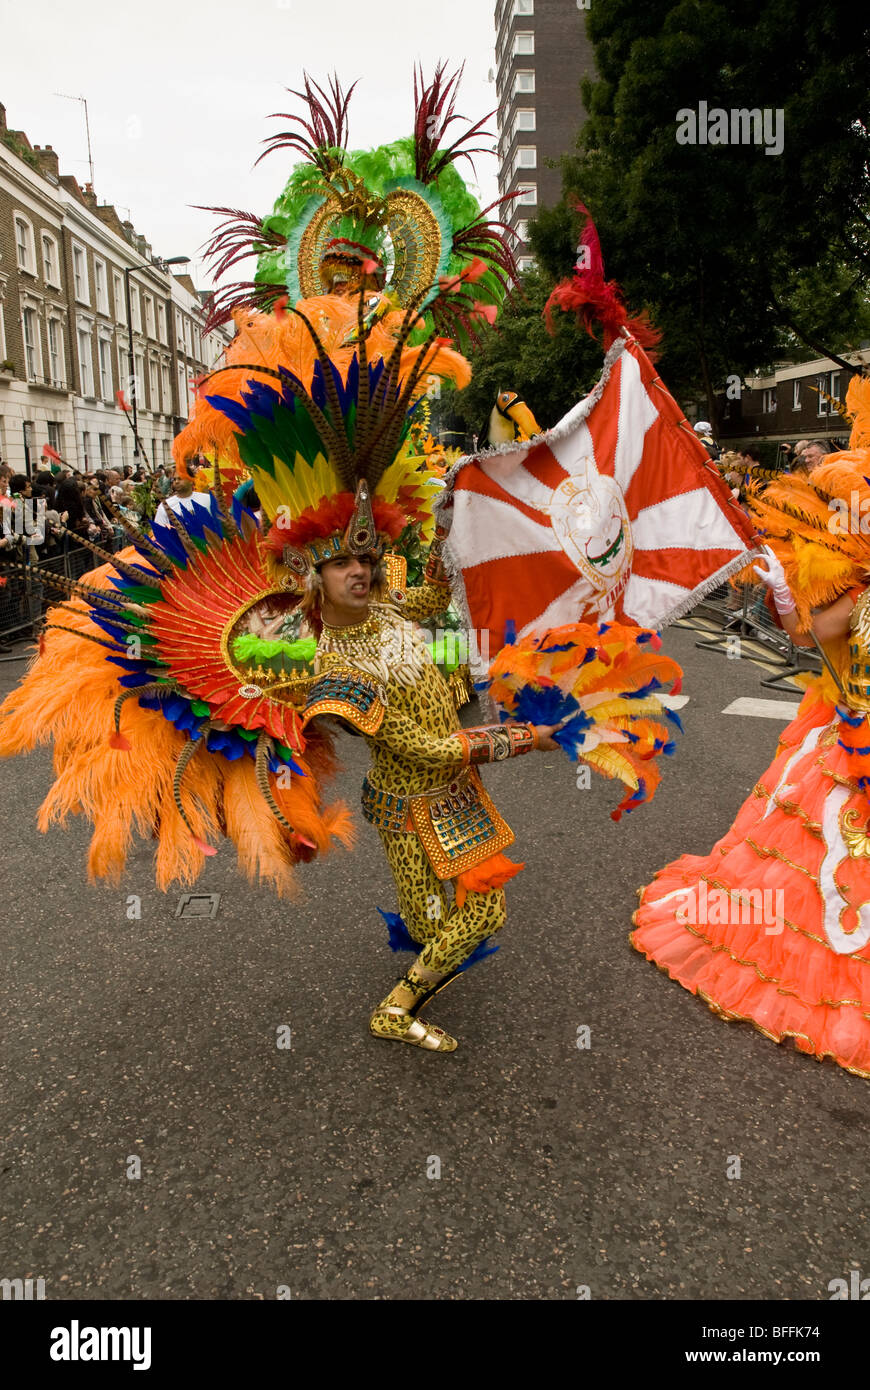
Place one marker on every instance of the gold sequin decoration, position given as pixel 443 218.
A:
pixel 417 245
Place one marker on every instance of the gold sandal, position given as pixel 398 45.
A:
pixel 417 1033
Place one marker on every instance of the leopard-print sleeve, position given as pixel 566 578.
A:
pixel 490 743
pixel 425 600
pixel 433 595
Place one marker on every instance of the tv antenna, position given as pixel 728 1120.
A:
pixel 84 103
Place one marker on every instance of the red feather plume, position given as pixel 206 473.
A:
pixel 595 301
pixel 325 130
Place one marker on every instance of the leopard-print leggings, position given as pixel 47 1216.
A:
pixel 447 933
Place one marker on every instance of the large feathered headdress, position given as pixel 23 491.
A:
pixel 819 524
pixel 399 216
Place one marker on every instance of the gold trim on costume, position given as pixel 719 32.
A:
pixel 457 836
pixel 792 926
pixel 856 838
pixel 345 692
pixel 730 1017
pixel 768 853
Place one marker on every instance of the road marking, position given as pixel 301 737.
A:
pixel 763 709
pixel 674 701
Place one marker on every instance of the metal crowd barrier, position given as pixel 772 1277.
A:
pixel 750 620
pixel 24 597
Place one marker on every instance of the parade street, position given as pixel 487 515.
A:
pixel 284 1152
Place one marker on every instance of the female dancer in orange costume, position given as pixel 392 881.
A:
pixel 773 926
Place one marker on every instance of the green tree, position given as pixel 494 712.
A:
pixel 739 254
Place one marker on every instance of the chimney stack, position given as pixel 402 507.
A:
pixel 48 160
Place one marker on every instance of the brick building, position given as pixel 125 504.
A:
pixel 795 401
pixel 542 55
pixel 65 261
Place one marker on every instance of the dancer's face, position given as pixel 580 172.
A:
pixel 347 584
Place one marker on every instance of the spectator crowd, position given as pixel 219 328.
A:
pixel 45 518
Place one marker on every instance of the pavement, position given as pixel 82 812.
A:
pixel 522 1166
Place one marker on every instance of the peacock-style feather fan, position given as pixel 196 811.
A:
pixel 181 728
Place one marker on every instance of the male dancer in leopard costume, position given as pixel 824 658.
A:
pixel 436 823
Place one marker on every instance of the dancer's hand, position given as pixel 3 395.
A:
pixel 774 575
pixel 774 579
pixel 544 741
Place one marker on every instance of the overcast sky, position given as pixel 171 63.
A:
pixel 179 91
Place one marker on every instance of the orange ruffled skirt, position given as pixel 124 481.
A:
pixel 773 926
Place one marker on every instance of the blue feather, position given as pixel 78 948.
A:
pixel 480 952
pixel 572 735
pixel 233 410
pixel 853 722
pixel 400 937
pixel 169 542
pixel 643 692
pixel 547 706
pixel 861 752
pixel 675 719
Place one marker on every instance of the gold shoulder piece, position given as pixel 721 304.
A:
pixel 350 695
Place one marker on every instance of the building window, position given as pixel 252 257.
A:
pixel 795 395
pixel 27 435
pixel 834 391
pixel 135 311
pixel 167 388
pixel 86 362
pixel 524 119
pixel 822 384
pixel 524 7
pixel 525 263
pixel 24 245
pixel 86 448
pixel 32 354
pixel 182 390
pixel 2 338
pixel 524 44
pixel 55 353
pixel 769 401
pixel 104 348
pixel 101 291
pixel 179 330
pixel 154 385
pixel 123 366
pixel 166 459
pixel 523 229
pixel 161 322
pixel 120 302
pixel 80 274
pixel 55 436
pixel 149 316
pixel 528 195
pixel 526 157
pixel 139 385
pixel 524 81
pixel 50 263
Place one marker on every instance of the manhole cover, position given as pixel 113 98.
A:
pixel 198 905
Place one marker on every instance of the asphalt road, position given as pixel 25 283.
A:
pixel 313 1168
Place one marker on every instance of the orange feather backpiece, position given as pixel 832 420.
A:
pixel 124 783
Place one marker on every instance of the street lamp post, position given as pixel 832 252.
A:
pixel 131 361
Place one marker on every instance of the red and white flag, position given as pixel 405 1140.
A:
pixel 616 512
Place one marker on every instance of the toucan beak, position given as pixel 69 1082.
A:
pixel 523 419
